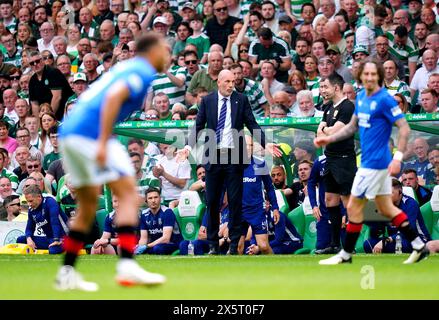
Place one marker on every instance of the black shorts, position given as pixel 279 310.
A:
pixel 339 174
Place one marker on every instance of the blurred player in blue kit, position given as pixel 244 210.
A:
pixel 375 114
pixel 93 157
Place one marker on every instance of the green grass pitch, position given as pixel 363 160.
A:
pixel 226 277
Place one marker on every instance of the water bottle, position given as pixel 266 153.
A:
pixel 190 249
pixel 398 244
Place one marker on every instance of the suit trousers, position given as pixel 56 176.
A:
pixel 220 177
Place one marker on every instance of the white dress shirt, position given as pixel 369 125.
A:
pixel 227 136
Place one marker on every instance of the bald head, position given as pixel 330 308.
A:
pixel 226 82
pixel 225 74
pixel 216 47
pixel 331 32
pixel 281 97
pixel 432 42
pixel 215 61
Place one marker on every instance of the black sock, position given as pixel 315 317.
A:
pixel 74 239
pixel 352 233
pixel 335 218
pixel 408 231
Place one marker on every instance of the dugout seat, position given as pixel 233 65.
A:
pixel 430 213
pixel 189 214
pixel 364 235
pixel 309 236
pixel 60 185
pixel 305 224
pixel 408 191
pixel 297 218
pixel 282 201
pixel 101 214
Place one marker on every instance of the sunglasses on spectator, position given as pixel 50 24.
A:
pixel 15 77
pixel 243 50
pixel 188 62
pixel 224 9
pixel 35 62
pixel 13 204
pixel 35 166
pixel 47 57
pixel 151 116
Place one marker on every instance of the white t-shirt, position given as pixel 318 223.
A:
pixel 420 80
pixel 276 86
pixel 180 170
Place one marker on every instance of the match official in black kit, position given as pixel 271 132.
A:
pixel 222 116
pixel 340 156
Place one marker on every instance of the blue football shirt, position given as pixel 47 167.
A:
pixel 137 74
pixel 376 116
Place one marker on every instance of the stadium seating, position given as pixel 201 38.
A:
pixel 305 224
pixel 364 235
pixel 282 202
pixel 430 213
pixel 101 214
pixel 60 185
pixel 189 214
pixel 427 215
pixel 408 191
pixel 297 218
pixel 309 236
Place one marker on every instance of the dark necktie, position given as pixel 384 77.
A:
pixel 221 121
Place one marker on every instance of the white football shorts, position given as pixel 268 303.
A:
pixel 371 182
pixel 79 160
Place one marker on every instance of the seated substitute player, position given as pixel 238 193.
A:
pixel 93 158
pixel 379 242
pixel 107 243
pixel 375 114
pixel 283 236
pixel 201 245
pixel 256 180
pixel 46 214
pixel 159 231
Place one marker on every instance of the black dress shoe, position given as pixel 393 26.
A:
pixel 327 250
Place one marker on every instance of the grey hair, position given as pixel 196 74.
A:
pixel 33 190
pixel 304 94
pixel 62 38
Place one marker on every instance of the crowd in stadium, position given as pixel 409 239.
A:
pixel 280 52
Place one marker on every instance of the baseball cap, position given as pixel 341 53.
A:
pixel 360 48
pixel 5 75
pixel 285 19
pixel 79 77
pixel 420 1
pixel 160 19
pixel 333 48
pixel 188 5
